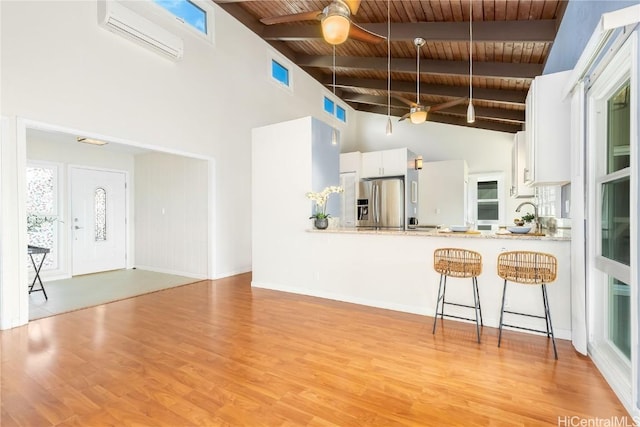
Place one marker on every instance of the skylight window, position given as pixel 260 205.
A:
pixel 187 12
pixel 329 106
pixel 341 114
pixel 279 72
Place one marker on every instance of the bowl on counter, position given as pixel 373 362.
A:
pixel 519 229
pixel 459 228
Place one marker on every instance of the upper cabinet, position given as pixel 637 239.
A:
pixel 547 118
pixel 384 163
pixel 518 160
pixel 350 162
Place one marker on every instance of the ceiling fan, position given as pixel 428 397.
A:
pixel 418 112
pixel 335 20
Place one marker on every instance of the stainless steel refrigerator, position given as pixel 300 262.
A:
pixel 381 203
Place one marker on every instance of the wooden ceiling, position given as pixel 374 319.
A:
pixel 511 42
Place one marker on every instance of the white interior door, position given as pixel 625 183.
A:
pixel 98 220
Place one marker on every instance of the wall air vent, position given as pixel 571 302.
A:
pixel 121 20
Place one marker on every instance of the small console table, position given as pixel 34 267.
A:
pixel 34 250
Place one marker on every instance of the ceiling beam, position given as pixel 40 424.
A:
pixel 406 65
pixel 446 119
pixel 397 86
pixel 541 31
pixel 515 116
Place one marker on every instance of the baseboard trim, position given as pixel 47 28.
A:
pixel 174 272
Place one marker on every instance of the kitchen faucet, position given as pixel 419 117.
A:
pixel 535 214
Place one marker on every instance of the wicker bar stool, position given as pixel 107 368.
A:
pixel 528 268
pixel 462 263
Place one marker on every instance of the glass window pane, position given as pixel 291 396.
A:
pixel 487 190
pixel 328 105
pixel 620 316
pixel 341 114
pixel 487 211
pixel 101 214
pixel 41 231
pixel 618 130
pixel 279 72
pixel 187 12
pixel 615 220
pixel 40 191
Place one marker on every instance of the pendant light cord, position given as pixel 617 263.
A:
pixel 334 70
pixel 417 73
pixel 388 61
pixel 470 51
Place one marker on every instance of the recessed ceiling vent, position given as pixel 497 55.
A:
pixel 121 20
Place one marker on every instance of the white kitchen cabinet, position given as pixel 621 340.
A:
pixel 351 162
pixel 547 122
pixel 348 205
pixel 518 159
pixel 384 163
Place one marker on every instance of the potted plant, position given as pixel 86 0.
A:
pixel 321 217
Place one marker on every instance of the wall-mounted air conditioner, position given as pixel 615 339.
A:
pixel 121 20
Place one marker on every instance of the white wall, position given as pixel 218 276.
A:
pixel 171 223
pixel 43 146
pixel 484 150
pixel 59 67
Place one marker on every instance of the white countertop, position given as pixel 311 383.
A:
pixel 560 235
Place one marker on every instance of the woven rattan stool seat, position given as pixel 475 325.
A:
pixel 529 268
pixel 455 262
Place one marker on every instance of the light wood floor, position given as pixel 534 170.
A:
pixel 221 353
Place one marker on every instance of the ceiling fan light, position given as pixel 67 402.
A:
pixel 418 115
pixel 335 23
pixel 471 113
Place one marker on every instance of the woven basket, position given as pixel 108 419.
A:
pixel 529 268
pixel 456 262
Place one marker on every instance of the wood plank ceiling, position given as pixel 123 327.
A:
pixel 511 42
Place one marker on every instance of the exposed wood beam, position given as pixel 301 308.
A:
pixel 494 95
pixel 427 66
pixel 517 117
pixel 542 31
pixel 446 119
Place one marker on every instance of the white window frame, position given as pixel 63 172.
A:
pixel 158 10
pixel 620 372
pixel 57 268
pixel 280 59
pixel 336 104
pixel 472 214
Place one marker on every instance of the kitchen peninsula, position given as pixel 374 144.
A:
pixel 386 269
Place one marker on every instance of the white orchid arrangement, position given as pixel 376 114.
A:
pixel 320 200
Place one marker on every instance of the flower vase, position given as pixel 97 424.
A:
pixel 321 223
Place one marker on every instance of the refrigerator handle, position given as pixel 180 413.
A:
pixel 376 203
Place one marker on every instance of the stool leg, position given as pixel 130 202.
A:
pixel 435 316
pixel 504 292
pixel 444 291
pixel 544 301
pixel 474 285
pixel 475 281
pixel 547 314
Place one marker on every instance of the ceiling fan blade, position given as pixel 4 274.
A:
pixel 354 5
pixel 406 101
pixel 358 33
pixel 406 116
pixel 449 104
pixel 304 16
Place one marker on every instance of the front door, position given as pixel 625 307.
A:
pixel 98 220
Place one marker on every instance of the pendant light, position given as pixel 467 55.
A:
pixel 471 112
pixel 389 126
pixel 334 132
pixel 418 113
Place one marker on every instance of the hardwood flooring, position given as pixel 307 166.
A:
pixel 218 353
